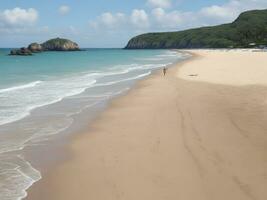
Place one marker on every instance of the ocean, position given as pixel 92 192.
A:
pixel 40 96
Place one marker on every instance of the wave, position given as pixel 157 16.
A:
pixel 111 73
pixel 19 104
pixel 125 69
pixel 102 74
pixel 123 80
pixel 169 54
pixel 136 67
pixel 20 87
pixel 18 175
pixel 100 99
pixel 150 59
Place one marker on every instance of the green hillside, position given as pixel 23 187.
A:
pixel 250 27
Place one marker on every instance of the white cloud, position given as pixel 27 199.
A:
pixel 18 17
pixel 73 30
pixel 219 12
pixel 64 9
pixel 230 10
pixel 93 24
pixel 171 20
pixel 160 3
pixel 111 20
pixel 108 20
pixel 139 18
pixel 225 12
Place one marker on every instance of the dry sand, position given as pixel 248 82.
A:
pixel 246 67
pixel 173 139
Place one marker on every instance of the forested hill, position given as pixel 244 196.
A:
pixel 248 30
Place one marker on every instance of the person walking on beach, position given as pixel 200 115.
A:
pixel 164 71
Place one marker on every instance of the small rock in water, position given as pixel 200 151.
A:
pixel 20 52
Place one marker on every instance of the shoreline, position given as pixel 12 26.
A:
pixel 39 143
pixel 168 155
pixel 59 144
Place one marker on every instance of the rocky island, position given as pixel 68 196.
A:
pixel 56 44
pixel 60 44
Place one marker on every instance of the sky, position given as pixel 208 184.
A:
pixel 109 23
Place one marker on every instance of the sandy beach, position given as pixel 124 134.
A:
pixel 199 133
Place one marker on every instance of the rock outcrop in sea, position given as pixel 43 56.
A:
pixel 20 52
pixel 56 44
pixel 35 47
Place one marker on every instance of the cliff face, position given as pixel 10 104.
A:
pixel 60 44
pixel 140 43
pixel 248 30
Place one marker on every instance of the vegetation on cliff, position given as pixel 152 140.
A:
pixel 248 30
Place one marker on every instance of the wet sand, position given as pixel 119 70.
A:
pixel 172 138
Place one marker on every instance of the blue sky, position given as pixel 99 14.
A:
pixel 109 23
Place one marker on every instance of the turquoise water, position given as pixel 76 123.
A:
pixel 41 94
pixel 18 70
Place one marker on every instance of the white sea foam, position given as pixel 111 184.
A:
pixel 17 175
pixel 100 99
pixel 110 73
pixel 123 80
pixel 18 104
pixel 136 67
pixel 20 87
pixel 151 59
